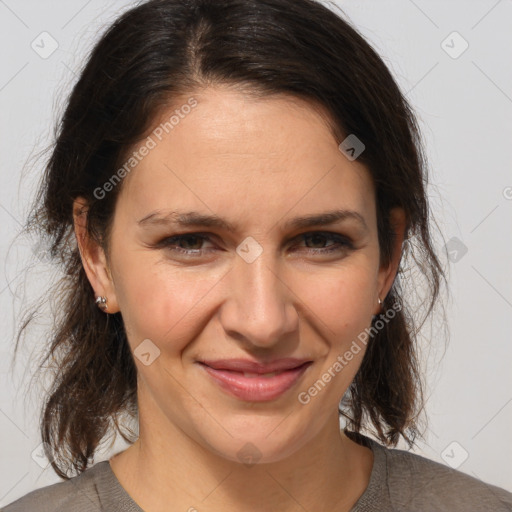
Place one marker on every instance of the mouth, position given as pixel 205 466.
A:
pixel 254 382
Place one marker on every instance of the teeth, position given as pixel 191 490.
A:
pixel 251 375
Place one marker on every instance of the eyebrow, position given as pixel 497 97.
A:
pixel 196 219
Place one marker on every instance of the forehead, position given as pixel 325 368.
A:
pixel 233 152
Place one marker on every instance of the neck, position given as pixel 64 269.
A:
pixel 166 466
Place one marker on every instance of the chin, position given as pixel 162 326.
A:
pixel 253 441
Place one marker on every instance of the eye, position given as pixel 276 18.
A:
pixel 175 243
pixel 341 243
pixel 191 244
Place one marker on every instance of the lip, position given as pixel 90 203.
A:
pixel 247 365
pixel 229 375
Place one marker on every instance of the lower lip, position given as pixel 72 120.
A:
pixel 256 389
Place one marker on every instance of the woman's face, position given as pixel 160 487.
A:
pixel 261 290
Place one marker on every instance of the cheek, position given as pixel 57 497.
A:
pixel 160 302
pixel 342 299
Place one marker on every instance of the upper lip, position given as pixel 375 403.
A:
pixel 247 365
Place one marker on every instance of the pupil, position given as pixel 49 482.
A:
pixel 191 238
pixel 317 239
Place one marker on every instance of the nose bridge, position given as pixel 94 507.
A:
pixel 258 305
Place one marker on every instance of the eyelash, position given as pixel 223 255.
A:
pixel 343 243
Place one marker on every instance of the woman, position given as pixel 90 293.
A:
pixel 234 217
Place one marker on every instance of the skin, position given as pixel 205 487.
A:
pixel 257 163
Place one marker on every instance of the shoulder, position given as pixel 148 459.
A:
pixel 417 483
pixel 80 493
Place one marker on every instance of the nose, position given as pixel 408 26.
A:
pixel 259 309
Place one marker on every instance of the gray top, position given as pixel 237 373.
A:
pixel 400 481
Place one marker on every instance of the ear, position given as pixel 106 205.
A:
pixel 93 258
pixel 387 273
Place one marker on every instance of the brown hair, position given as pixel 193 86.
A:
pixel 163 49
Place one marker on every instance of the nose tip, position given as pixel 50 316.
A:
pixel 259 308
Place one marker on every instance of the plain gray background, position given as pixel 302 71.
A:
pixel 463 98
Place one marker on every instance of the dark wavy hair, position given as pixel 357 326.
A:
pixel 150 55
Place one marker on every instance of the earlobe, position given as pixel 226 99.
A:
pixel 93 258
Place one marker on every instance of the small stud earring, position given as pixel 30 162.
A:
pixel 102 302
pixel 380 304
